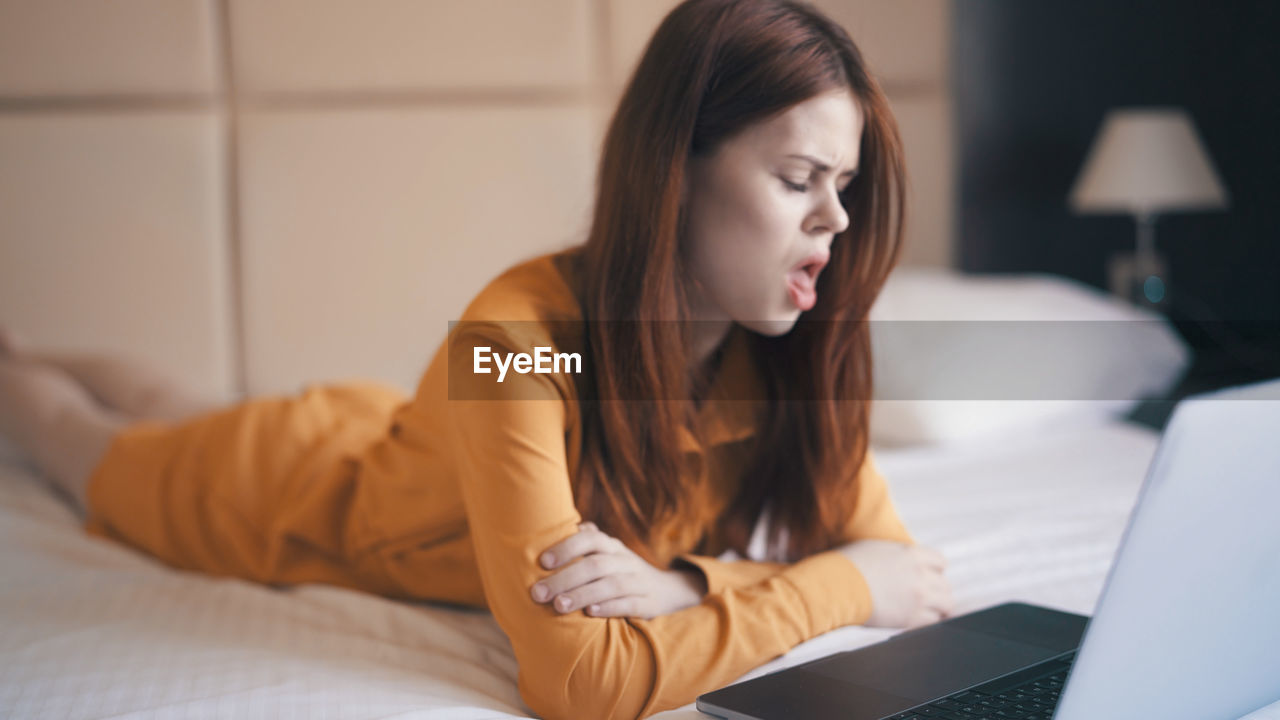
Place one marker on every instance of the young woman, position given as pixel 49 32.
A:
pixel 752 175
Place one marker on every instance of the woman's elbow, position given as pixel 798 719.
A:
pixel 609 677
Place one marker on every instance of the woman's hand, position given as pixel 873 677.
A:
pixel 907 586
pixel 612 581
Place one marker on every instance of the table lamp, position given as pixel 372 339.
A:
pixel 1145 161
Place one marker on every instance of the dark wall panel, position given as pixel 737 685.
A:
pixel 1033 81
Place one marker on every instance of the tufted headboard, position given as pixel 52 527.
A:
pixel 259 195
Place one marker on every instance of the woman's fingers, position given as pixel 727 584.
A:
pixel 588 539
pixel 937 589
pixel 939 596
pixel 628 606
pixel 599 591
pixel 931 558
pixel 576 574
pixel 598 574
pixel 584 557
pixel 923 616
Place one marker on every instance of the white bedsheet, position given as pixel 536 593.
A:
pixel 89 628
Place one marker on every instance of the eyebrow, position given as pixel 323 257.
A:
pixel 823 166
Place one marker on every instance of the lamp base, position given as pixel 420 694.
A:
pixel 1141 280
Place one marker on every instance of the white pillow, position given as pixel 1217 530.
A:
pixel 960 356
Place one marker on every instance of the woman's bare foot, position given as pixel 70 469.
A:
pixel 127 386
pixel 54 421
pixel 10 343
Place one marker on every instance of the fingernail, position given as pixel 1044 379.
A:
pixel 593 609
pixel 562 603
pixel 540 592
pixel 548 560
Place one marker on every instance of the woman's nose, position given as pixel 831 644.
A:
pixel 830 216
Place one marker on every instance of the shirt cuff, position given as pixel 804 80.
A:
pixel 834 591
pixel 723 574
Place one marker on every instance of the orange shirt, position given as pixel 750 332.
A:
pixel 453 500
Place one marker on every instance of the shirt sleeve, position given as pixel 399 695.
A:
pixel 874 517
pixel 511 449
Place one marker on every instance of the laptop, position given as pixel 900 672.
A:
pixel 1187 625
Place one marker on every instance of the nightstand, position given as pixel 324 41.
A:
pixel 1214 366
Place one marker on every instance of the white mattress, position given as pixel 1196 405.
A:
pixel 89 628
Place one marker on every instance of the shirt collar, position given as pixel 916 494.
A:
pixel 732 409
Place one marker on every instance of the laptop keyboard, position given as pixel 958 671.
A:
pixel 1029 694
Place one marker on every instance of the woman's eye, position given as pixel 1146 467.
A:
pixel 795 186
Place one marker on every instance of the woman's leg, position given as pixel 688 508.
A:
pixel 59 425
pixel 130 387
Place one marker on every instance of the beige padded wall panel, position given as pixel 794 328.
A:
pixel 904 41
pixel 631 24
pixel 925 124
pixel 112 238
pixel 340 45
pixel 92 47
pixel 366 232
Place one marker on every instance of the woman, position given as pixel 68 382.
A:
pixel 751 174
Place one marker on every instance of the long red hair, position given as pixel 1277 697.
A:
pixel 712 68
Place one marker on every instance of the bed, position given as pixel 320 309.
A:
pixel 89 628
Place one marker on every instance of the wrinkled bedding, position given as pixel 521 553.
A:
pixel 89 628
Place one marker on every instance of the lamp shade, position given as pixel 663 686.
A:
pixel 1145 161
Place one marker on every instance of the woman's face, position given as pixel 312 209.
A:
pixel 763 210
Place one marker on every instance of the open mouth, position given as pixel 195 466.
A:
pixel 813 267
pixel 802 280
pixel 813 263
